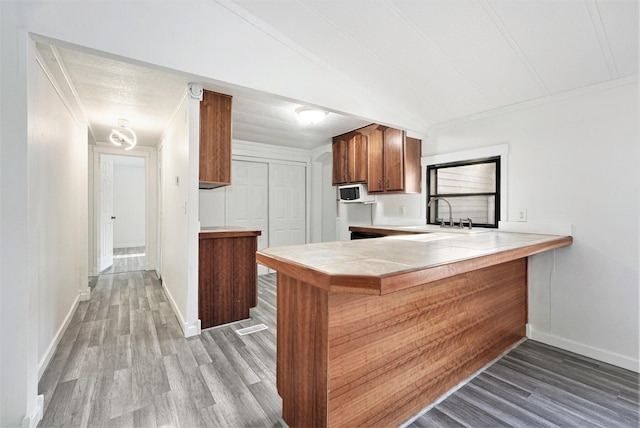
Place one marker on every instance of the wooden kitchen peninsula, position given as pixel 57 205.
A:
pixel 372 331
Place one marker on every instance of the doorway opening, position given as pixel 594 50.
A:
pixel 122 214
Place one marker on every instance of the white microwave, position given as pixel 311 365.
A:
pixel 355 193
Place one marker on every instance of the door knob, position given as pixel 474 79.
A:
pixel 113 217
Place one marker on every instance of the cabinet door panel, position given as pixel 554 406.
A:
pixel 215 282
pixel 205 283
pixel 222 284
pixel 375 164
pixel 357 153
pixel 412 169
pixel 340 150
pixel 215 139
pixel 244 277
pixel 393 160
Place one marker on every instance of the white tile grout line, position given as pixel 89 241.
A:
pixel 252 329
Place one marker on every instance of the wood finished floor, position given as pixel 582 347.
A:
pixel 128 259
pixel 123 362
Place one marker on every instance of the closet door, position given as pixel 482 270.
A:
pixel 287 204
pixel 248 200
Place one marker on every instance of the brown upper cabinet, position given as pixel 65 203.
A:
pixel 215 140
pixel 349 159
pixel 392 160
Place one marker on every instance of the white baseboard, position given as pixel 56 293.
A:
pixel 46 358
pixel 84 293
pixel 33 419
pixel 188 329
pixel 586 350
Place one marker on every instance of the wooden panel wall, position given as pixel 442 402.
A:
pixel 227 276
pixel 390 356
pixel 301 372
pixel 346 360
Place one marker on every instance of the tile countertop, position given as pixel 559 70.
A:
pixel 227 232
pixel 384 265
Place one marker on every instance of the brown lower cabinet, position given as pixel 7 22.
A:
pixel 227 275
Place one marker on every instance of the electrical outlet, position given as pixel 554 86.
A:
pixel 522 214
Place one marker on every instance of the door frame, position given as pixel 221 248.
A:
pixel 151 205
pixel 103 257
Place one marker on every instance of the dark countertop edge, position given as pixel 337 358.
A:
pixel 383 230
pixel 223 232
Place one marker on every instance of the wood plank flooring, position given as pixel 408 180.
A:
pixel 123 362
pixel 127 260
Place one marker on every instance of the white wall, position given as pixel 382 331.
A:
pixel 180 227
pixel 57 210
pixel 129 205
pixel 212 206
pixel 573 159
pixel 18 291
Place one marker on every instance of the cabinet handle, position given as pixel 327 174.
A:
pixel 380 184
pixel 387 183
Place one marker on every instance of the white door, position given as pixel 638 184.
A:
pixel 287 205
pixel 248 200
pixel 106 213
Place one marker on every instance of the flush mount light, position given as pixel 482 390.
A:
pixel 123 135
pixel 310 116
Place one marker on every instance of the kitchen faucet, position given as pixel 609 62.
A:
pixel 450 217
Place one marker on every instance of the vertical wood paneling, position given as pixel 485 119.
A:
pixel 244 277
pixel 205 280
pixel 302 352
pixel 375 169
pixel 393 159
pixel 215 139
pixel 412 168
pixel 390 356
pixel 222 280
pixel 361 360
pixel 227 279
pixel 357 159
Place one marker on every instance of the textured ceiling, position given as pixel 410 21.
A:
pixel 109 89
pixel 432 60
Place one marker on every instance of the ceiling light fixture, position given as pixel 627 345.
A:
pixel 310 115
pixel 123 135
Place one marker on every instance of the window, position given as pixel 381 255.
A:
pixel 471 187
